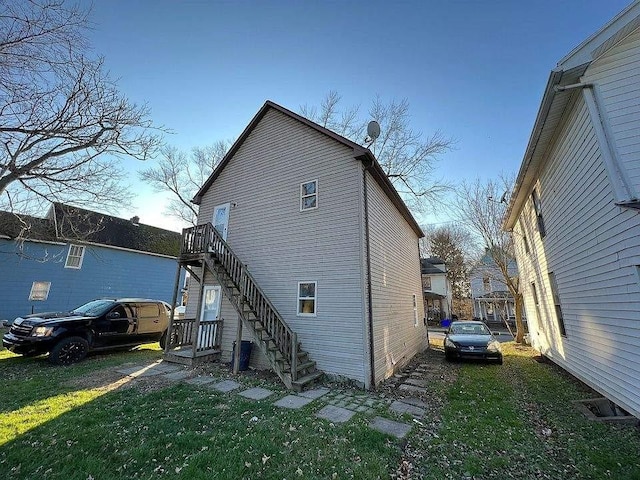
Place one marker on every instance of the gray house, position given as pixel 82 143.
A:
pixel 574 214
pixel 304 248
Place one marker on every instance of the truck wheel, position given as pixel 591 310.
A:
pixel 69 350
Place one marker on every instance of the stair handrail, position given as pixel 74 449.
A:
pixel 205 238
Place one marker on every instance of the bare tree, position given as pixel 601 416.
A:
pixel 407 157
pixel 183 175
pixel 481 206
pixel 64 126
pixel 451 243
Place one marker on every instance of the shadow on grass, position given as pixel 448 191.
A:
pixel 183 432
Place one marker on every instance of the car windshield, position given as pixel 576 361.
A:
pixel 94 308
pixel 469 329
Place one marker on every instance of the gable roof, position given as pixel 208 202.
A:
pixel 359 153
pixel 555 100
pixel 68 223
pixel 428 266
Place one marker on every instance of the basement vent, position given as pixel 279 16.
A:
pixel 604 410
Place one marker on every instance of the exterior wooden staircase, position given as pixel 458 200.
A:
pixel 204 246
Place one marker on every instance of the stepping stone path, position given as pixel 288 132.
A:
pixel 340 405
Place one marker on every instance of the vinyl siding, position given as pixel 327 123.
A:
pixel 592 245
pixel 395 277
pixel 283 246
pixel 105 273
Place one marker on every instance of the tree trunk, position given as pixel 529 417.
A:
pixel 519 304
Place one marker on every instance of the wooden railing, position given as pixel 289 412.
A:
pixel 206 239
pixel 181 332
pixel 209 334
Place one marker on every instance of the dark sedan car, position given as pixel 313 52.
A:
pixel 471 340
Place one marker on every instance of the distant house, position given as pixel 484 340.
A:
pixel 574 214
pixel 492 301
pixel 304 239
pixel 436 288
pixel 74 255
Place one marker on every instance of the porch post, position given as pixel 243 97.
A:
pixel 173 308
pixel 236 353
pixel 196 323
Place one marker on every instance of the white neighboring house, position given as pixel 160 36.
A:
pixel 574 214
pixel 492 301
pixel 436 288
pixel 302 236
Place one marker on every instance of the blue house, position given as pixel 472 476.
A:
pixel 75 255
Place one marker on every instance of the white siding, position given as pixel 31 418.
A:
pixel 395 277
pixel 617 79
pixel 592 245
pixel 283 246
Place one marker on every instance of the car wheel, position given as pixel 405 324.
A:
pixel 69 350
pixel 163 340
pixel 500 360
pixel 449 357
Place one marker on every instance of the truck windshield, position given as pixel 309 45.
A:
pixel 94 308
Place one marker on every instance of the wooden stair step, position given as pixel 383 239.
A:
pixel 307 380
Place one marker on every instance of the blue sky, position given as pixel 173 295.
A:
pixel 473 70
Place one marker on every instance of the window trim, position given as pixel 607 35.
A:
pixel 39 291
pixel 536 302
pixel 81 256
pixel 556 303
pixel 537 207
pixel 302 196
pixel 427 283
pixel 314 298
pixel 415 310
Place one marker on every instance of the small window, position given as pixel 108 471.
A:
pixel 556 303
pixel 486 285
pixel 40 291
pixel 524 237
pixel 415 310
pixel 426 283
pixel 307 299
pixel 537 206
pixel 74 257
pixel 309 195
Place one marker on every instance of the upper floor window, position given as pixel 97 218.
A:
pixel 309 195
pixel 415 310
pixel 556 303
pixel 426 283
pixel 307 299
pixel 74 257
pixel 524 237
pixel 537 206
pixel 486 284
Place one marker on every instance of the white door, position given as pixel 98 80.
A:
pixel 211 298
pixel 221 219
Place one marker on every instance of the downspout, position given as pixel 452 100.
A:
pixel 372 370
pixel 615 171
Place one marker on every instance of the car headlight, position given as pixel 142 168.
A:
pixel 42 332
pixel 449 343
pixel 493 347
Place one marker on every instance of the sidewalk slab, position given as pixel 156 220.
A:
pixel 401 408
pixel 176 376
pixel 335 414
pixel 256 393
pixel 315 393
pixel 412 388
pixel 149 370
pixel 200 380
pixel 292 401
pixel 384 425
pixel 225 386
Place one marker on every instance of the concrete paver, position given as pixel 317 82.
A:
pixel 417 383
pixel 256 393
pixel 200 380
pixel 292 401
pixel 335 414
pixel 176 376
pixel 315 393
pixel 390 427
pixel 401 408
pixel 149 370
pixel 412 388
pixel 225 386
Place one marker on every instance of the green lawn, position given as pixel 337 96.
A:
pixel 511 421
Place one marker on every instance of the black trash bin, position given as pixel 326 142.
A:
pixel 245 354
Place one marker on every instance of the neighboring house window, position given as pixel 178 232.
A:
pixel 74 257
pixel 426 283
pixel 556 302
pixel 536 302
pixel 309 195
pixel 538 208
pixel 415 310
pixel 486 284
pixel 39 291
pixel 307 298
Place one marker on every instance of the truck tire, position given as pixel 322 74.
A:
pixel 163 340
pixel 69 350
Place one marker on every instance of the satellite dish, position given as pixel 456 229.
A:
pixel 373 130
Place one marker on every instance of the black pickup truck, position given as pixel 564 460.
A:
pixel 97 325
